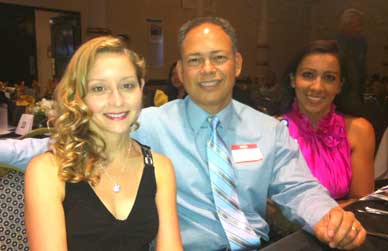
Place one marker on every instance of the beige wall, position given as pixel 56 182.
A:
pixel 326 18
pixel 284 27
pixel 130 17
pixel 243 15
pixel 43 43
pixel 290 24
pixel 288 29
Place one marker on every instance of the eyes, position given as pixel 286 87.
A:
pixel 310 75
pixel 97 88
pixel 198 60
pixel 102 88
pixel 194 61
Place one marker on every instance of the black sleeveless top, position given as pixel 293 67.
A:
pixel 90 226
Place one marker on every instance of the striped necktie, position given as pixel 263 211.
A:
pixel 223 181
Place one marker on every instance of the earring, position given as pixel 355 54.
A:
pixel 292 80
pixel 135 125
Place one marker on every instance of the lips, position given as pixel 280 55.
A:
pixel 314 99
pixel 209 83
pixel 116 116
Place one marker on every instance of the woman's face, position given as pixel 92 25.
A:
pixel 113 94
pixel 316 84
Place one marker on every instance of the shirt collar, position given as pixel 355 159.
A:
pixel 197 117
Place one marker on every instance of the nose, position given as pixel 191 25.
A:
pixel 208 66
pixel 116 98
pixel 317 83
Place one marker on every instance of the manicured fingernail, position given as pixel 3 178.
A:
pixel 332 244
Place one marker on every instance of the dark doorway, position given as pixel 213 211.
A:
pixel 65 39
pixel 17 44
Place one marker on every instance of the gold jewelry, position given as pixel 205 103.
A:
pixel 355 229
pixel 134 126
pixel 116 184
pixel 292 80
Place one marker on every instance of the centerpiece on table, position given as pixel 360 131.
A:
pixel 42 111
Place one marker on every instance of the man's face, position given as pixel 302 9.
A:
pixel 209 66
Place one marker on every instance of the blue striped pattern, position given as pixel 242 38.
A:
pixel 240 234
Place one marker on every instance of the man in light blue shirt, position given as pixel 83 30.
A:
pixel 266 161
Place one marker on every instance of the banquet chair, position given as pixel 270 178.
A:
pixel 5 168
pixel 12 230
pixel 37 133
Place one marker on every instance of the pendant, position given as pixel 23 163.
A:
pixel 116 188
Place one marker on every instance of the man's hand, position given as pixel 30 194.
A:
pixel 340 229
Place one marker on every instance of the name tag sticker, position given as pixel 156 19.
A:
pixel 246 153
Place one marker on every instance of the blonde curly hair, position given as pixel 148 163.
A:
pixel 74 145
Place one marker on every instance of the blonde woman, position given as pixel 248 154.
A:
pixel 97 189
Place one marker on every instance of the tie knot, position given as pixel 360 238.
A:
pixel 214 122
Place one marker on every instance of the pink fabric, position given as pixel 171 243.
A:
pixel 326 149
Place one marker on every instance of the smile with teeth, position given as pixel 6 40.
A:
pixel 314 98
pixel 209 83
pixel 116 116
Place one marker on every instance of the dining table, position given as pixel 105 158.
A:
pixel 376 225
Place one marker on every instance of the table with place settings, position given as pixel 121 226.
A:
pixel 371 212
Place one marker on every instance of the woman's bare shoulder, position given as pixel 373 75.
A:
pixel 43 169
pixel 163 166
pixel 160 160
pixel 44 162
pixel 360 133
pixel 358 126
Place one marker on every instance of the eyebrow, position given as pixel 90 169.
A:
pixel 129 78
pixel 311 69
pixel 200 54
pixel 123 78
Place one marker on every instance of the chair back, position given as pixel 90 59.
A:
pixel 42 132
pixel 12 230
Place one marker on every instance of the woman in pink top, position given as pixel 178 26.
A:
pixel 338 148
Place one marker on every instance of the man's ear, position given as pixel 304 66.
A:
pixel 179 70
pixel 142 84
pixel 239 62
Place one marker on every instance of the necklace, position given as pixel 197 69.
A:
pixel 116 184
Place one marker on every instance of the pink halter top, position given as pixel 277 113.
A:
pixel 325 149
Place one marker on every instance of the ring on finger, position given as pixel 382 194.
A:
pixel 355 229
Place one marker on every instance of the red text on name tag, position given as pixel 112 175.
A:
pixel 246 153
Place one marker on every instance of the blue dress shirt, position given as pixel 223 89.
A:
pixel 179 130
